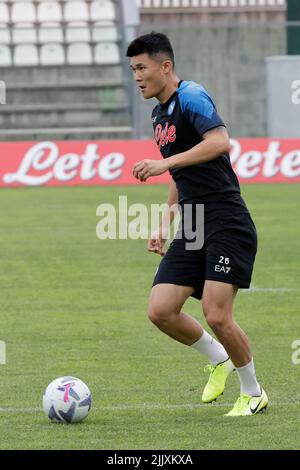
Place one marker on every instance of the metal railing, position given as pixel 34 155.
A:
pixel 209 3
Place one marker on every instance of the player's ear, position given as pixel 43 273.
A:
pixel 167 66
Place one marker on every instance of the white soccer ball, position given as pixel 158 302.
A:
pixel 67 400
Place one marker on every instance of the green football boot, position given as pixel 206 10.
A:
pixel 247 405
pixel 217 380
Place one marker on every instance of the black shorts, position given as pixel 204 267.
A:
pixel 227 255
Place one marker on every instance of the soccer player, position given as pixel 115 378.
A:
pixel 195 146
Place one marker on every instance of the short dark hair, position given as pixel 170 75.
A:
pixel 151 44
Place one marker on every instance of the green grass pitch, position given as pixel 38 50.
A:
pixel 74 305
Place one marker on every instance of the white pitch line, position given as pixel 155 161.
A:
pixel 155 406
pixel 147 406
pixel 267 289
pixel 20 410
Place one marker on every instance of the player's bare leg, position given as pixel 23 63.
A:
pixel 217 305
pixel 165 304
pixel 166 301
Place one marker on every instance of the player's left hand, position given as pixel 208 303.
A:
pixel 145 168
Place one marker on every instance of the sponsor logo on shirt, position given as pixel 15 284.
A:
pixel 164 136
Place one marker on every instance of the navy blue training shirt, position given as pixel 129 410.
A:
pixel 179 125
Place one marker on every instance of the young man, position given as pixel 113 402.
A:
pixel 195 148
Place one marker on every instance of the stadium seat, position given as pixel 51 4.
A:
pixel 77 32
pixel 5 56
pixel 104 32
pixel 79 53
pixel 4 35
pixel 76 10
pixel 26 55
pixel 4 13
pixel 23 12
pixel 49 12
pixel 102 10
pixel 52 54
pixel 51 33
pixel 24 34
pixel 107 53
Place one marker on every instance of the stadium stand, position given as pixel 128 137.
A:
pixel 69 81
pixel 63 61
pixel 26 54
pixel 52 54
pixel 33 22
pixel 5 56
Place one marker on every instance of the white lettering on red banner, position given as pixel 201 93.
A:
pixel 266 164
pixel 44 158
pixel 110 162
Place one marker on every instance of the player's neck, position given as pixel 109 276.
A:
pixel 168 90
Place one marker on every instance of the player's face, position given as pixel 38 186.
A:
pixel 150 75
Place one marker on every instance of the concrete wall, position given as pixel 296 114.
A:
pixel 283 100
pixel 230 62
pixel 218 15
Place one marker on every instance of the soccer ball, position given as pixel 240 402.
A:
pixel 67 400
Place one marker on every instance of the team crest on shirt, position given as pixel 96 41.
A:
pixel 171 107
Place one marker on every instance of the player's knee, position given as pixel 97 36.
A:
pixel 216 318
pixel 158 315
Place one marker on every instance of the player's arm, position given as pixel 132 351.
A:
pixel 159 236
pixel 215 143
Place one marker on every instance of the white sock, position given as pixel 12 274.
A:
pixel 249 384
pixel 211 348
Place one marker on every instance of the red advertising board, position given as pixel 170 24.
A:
pixel 70 163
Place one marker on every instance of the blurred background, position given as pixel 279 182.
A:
pixel 64 72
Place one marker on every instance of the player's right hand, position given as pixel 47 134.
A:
pixel 156 243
